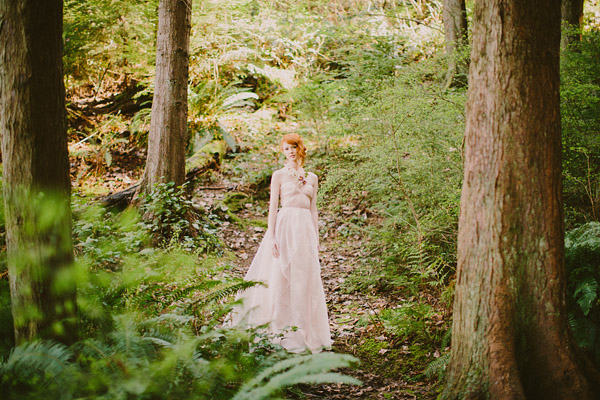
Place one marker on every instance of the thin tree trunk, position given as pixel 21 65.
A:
pixel 168 126
pixel 510 336
pixel 456 38
pixel 572 15
pixel 36 169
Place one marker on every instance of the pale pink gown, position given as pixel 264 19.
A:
pixel 293 296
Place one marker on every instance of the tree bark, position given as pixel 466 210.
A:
pixel 510 336
pixel 572 14
pixel 36 170
pixel 456 38
pixel 168 126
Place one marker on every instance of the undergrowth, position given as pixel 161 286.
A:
pixel 152 325
pixel 583 286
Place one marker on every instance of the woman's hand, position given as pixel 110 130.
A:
pixel 275 249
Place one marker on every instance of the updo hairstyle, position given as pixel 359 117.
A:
pixel 295 140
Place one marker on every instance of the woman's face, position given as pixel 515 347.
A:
pixel 290 151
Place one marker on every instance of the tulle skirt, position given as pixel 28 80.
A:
pixel 293 300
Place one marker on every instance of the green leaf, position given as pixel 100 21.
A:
pixel 586 293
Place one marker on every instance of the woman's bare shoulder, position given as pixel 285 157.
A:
pixel 277 172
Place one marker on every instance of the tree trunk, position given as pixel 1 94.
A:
pixel 168 126
pixel 36 170
pixel 456 38
pixel 571 14
pixel 510 336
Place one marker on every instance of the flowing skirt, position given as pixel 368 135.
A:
pixel 293 296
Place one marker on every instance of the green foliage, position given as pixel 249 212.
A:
pixel 392 359
pixel 313 368
pixel 169 213
pixel 408 320
pixel 6 320
pixel 38 370
pixel 580 112
pixel 105 238
pixel 437 368
pixel 152 326
pixel 583 280
pixel 129 273
pixel 160 361
pixel 103 35
pixel 399 152
pixel 209 99
pixel 158 348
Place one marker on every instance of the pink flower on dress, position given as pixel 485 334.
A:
pixel 293 173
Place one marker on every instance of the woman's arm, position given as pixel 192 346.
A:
pixel 313 205
pixel 273 206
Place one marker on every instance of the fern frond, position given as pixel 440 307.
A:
pixel 231 290
pixel 313 368
pixel 182 292
pixel 47 357
pixel 437 367
pixel 46 365
pixel 176 318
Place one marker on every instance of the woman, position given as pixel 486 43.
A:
pixel 287 261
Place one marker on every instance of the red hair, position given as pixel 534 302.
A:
pixel 295 140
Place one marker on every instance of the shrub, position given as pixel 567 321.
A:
pixel 580 112
pixel 583 283
pixel 171 218
pixel 404 155
pixel 158 361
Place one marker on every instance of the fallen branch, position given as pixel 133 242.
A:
pixel 207 158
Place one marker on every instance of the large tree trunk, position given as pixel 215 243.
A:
pixel 36 169
pixel 510 337
pixel 571 14
pixel 456 38
pixel 168 126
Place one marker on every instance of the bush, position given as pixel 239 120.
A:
pixel 404 156
pixel 583 286
pixel 162 361
pixel 152 326
pixel 171 218
pixel 580 112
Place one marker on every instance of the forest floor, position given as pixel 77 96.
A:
pixel 388 368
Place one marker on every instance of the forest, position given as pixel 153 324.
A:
pixel 457 149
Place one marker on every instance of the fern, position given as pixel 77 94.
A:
pixel 582 253
pixel 313 368
pixel 586 293
pixel 177 294
pixel 225 292
pixel 437 368
pixel 44 368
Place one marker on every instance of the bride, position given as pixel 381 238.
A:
pixel 292 301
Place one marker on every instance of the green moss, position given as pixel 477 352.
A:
pixel 391 360
pixel 235 201
pixel 258 222
pixel 206 154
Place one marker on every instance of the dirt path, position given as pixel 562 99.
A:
pixel 355 325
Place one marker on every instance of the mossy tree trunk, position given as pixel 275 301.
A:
pixel 36 170
pixel 510 335
pixel 456 39
pixel 168 127
pixel 572 15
